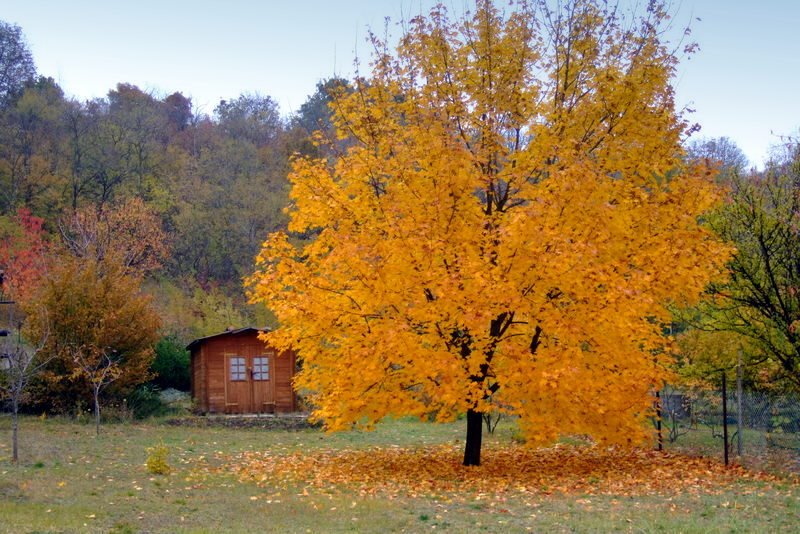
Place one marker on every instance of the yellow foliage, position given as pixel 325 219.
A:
pixel 503 232
pixel 157 460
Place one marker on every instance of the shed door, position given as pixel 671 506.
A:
pixel 263 383
pixel 248 382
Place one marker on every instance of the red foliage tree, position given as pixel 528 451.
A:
pixel 23 254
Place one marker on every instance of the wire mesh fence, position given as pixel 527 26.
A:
pixel 762 430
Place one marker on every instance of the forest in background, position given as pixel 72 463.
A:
pixel 127 225
pixel 217 184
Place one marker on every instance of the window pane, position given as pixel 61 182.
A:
pixel 237 368
pixel 261 368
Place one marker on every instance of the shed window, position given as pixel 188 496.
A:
pixel 238 371
pixel 261 368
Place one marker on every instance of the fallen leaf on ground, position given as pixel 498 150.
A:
pixel 437 471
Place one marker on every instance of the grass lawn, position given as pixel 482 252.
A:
pixel 757 452
pixel 70 481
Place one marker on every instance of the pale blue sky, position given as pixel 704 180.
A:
pixel 743 82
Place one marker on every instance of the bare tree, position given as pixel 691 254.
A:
pixel 20 361
pixel 722 153
pixel 101 368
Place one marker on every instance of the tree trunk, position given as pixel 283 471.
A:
pixel 14 431
pixel 97 411
pixel 472 449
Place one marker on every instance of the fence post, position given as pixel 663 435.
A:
pixel 739 424
pixel 658 421
pixel 725 414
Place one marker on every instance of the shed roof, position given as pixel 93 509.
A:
pixel 230 331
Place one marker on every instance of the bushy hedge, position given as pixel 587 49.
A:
pixel 171 365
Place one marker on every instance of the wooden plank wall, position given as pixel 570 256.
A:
pixel 199 392
pixel 215 371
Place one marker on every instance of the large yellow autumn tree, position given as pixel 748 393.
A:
pixel 503 231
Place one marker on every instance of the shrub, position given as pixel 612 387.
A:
pixel 171 365
pixel 145 401
pixel 156 462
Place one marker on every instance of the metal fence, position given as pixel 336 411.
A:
pixel 761 430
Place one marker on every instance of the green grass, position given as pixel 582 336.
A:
pixel 70 481
pixel 779 456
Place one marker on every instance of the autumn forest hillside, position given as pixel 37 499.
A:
pixel 215 185
pixel 127 225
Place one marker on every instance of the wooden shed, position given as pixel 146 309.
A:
pixel 235 372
